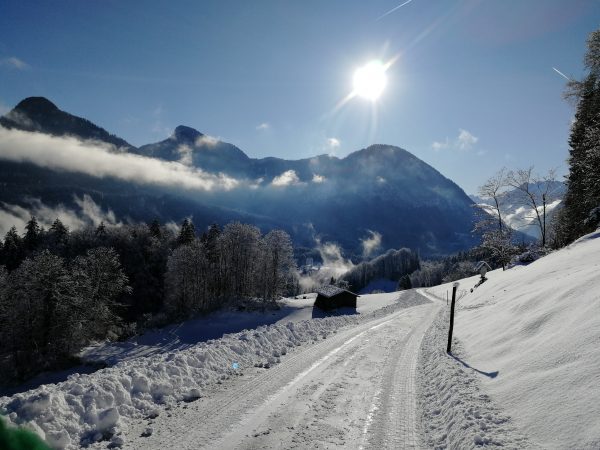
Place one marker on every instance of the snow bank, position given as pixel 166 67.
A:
pixel 455 413
pixel 214 326
pixel 538 327
pixel 92 407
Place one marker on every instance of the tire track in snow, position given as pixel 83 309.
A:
pixel 394 423
pixel 208 422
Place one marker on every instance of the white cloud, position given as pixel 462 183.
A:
pixel 466 140
pixel 207 141
pixel 318 178
pixel 185 152
pixel 263 126
pixel 437 146
pixel 380 180
pixel 102 160
pixel 89 213
pixel 14 63
pixel 257 183
pixel 371 243
pixel 333 143
pixel 287 178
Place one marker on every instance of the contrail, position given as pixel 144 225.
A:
pixel 393 9
pixel 559 72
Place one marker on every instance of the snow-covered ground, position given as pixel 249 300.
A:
pixel 102 406
pixel 456 412
pixel 214 326
pixel 524 373
pixel 537 330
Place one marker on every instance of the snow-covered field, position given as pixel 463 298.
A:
pixel 456 412
pixel 524 373
pixel 537 329
pixel 100 406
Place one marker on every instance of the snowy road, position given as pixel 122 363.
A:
pixel 355 389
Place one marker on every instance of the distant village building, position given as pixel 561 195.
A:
pixel 331 297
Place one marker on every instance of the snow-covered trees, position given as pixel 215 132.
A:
pixel 583 180
pixel 226 266
pixel 240 259
pixel 50 308
pixel 187 279
pixel 499 244
pixel 392 265
pixel 278 265
pixel 60 289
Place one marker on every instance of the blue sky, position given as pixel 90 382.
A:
pixel 472 90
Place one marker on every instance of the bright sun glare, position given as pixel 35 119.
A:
pixel 370 80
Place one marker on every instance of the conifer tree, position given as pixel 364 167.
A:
pixel 583 194
pixel 154 228
pixel 32 234
pixel 12 250
pixel 101 230
pixel 187 234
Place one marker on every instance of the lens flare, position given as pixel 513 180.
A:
pixel 370 80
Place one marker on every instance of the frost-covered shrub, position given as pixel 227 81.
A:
pixel 530 255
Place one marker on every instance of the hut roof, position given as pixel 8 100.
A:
pixel 480 264
pixel 331 290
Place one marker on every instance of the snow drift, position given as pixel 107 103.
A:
pixel 538 328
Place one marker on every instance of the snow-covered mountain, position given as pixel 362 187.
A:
pixel 51 156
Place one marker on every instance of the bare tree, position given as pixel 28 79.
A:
pixel 494 189
pixel 535 192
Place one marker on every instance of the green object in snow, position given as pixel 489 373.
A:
pixel 20 439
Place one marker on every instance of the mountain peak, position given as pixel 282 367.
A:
pixel 40 114
pixel 183 133
pixel 36 104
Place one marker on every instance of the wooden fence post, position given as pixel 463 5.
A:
pixel 454 287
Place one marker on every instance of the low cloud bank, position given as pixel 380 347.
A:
pixel 87 213
pixel 287 178
pixel 102 160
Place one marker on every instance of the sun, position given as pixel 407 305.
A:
pixel 370 80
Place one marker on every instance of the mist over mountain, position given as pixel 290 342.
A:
pixel 380 189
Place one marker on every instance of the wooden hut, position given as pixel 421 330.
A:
pixel 331 297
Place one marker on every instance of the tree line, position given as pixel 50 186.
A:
pixel 393 265
pixel 62 289
pixel 581 212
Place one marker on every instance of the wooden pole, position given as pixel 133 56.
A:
pixel 449 348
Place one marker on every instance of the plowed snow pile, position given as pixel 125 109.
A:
pixel 538 327
pixel 98 407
